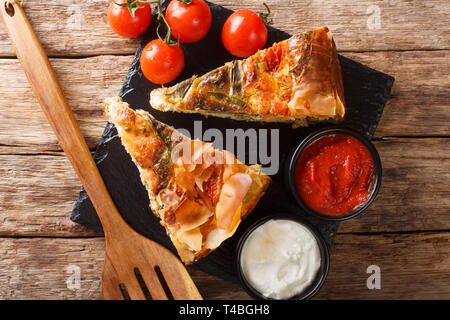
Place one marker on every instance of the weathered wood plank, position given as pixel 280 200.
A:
pixel 420 101
pixel 414 192
pixel 37 192
pixel 419 105
pixel 40 268
pixel 38 187
pixel 413 266
pixel 86 83
pixel 68 28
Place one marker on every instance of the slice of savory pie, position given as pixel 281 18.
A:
pixel 297 80
pixel 200 193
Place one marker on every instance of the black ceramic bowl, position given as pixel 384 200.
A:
pixel 322 273
pixel 291 161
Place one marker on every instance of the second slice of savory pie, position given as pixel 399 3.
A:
pixel 297 80
pixel 200 194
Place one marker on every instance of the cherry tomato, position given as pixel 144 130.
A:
pixel 190 22
pixel 121 21
pixel 160 62
pixel 244 33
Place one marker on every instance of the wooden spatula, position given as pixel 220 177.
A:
pixel 135 267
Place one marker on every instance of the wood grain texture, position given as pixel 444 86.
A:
pixel 54 105
pixel 38 186
pixel 419 105
pixel 126 250
pixel 413 266
pixel 68 28
pixel 414 192
pixel 37 268
pixel 37 192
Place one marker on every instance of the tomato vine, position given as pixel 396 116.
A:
pixel 133 6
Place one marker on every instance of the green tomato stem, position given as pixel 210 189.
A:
pixel 132 6
pixel 265 15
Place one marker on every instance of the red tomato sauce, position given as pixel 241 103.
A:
pixel 334 174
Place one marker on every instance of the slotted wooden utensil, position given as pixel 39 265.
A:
pixel 135 267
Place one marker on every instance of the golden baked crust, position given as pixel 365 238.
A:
pixel 297 80
pixel 200 193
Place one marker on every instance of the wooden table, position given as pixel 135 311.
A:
pixel 405 232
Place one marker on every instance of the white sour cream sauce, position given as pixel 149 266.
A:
pixel 280 258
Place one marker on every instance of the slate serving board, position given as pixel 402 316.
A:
pixel 366 92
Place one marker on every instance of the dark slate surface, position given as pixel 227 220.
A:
pixel 366 93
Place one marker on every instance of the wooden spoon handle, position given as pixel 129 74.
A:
pixel 46 87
